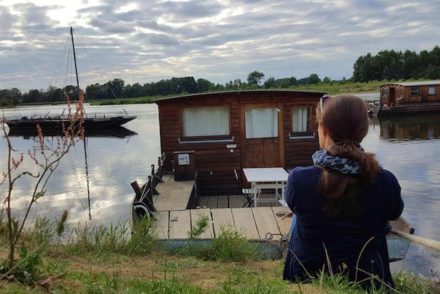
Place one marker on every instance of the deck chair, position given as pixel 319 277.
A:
pixel 248 194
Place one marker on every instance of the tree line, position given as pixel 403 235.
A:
pixel 398 65
pixel 386 65
pixel 117 88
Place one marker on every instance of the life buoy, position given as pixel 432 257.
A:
pixel 141 210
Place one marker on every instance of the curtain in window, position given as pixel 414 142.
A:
pixel 262 122
pixel 205 121
pixel 299 119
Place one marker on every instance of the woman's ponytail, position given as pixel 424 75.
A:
pixel 345 117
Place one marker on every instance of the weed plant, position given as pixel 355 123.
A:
pixel 101 240
pixel 229 245
pixel 407 282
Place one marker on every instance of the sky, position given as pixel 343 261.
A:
pixel 219 40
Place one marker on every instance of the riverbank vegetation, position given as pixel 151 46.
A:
pixel 98 259
pixel 369 72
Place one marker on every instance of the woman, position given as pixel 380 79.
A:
pixel 342 203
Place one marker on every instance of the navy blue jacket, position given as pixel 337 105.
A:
pixel 342 238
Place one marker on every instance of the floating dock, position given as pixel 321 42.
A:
pixel 173 195
pixel 255 223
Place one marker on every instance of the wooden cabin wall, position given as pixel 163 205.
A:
pixel 400 95
pixel 215 163
pixel 384 99
pixel 219 169
pixel 436 97
pixel 424 94
pixel 409 98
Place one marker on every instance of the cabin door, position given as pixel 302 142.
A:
pixel 262 130
pixel 392 96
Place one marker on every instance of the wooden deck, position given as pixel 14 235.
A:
pixel 173 195
pixel 231 201
pixel 260 223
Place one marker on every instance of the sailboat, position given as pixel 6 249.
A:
pixel 55 123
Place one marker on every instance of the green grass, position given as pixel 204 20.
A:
pixel 114 260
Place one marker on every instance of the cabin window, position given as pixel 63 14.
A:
pixel 415 91
pixel 205 121
pixel 261 122
pixel 431 91
pixel 299 119
pixel 384 93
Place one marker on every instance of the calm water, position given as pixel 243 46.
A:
pixel 410 148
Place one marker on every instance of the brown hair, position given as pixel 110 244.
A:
pixel 345 118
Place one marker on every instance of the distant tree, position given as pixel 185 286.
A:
pixel 314 79
pixel 53 94
pixel 238 84
pixel 71 91
pixel 204 85
pixel 269 83
pixel 32 96
pixel 293 81
pixel 326 80
pixel 95 91
pixel 188 84
pixel 10 97
pixel 114 88
pixel 255 78
pixel 390 64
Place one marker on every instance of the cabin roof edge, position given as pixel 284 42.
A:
pixel 414 84
pixel 158 100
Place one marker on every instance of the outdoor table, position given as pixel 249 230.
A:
pixel 266 178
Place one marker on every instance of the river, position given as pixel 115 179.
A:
pixel 409 147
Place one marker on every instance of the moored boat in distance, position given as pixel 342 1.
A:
pixel 57 122
pixel 409 98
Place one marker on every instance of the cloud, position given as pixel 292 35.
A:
pixel 111 27
pixel 218 40
pixel 6 20
pixel 161 39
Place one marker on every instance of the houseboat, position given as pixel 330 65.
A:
pixel 217 135
pixel 409 97
pixel 208 142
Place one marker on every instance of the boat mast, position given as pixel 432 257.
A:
pixel 74 60
pixel 85 148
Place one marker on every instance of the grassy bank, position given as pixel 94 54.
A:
pixel 97 259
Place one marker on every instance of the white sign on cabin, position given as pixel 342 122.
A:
pixel 183 159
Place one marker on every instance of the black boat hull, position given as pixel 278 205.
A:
pixel 51 124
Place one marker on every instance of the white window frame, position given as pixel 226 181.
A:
pixel 431 93
pixel 300 124
pixel 308 133
pixel 261 129
pixel 206 125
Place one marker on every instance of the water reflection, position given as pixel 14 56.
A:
pixel 409 147
pixel 115 159
pixel 415 127
pixel 117 132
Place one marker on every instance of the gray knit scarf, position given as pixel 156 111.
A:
pixel 338 164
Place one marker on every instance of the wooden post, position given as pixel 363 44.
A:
pixel 137 190
pixel 153 180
